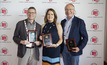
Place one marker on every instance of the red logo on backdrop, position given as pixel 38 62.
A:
pixel 4 24
pixel 94 53
pixel 25 11
pixel 94 39
pixel 96 1
pixel 4 0
pixel 4 37
pixel 73 0
pixel 27 0
pixel 50 0
pixel 4 11
pixel 27 63
pixel 93 64
pixel 94 26
pixel 4 63
pixel 4 50
pixel 95 12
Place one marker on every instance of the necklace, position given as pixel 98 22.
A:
pixel 27 28
pixel 53 24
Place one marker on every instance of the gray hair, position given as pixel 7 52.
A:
pixel 70 4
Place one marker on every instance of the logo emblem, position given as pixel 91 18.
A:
pixel 94 26
pixel 73 0
pixel 27 0
pixel 94 39
pixel 4 0
pixel 50 0
pixel 94 53
pixel 4 63
pixel 27 63
pixel 93 64
pixel 95 12
pixel 4 51
pixel 46 36
pixel 96 1
pixel 4 37
pixel 3 11
pixel 4 24
pixel 25 11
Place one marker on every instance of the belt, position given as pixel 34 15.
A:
pixel 30 47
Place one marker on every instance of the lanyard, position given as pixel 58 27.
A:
pixel 65 34
pixel 67 30
pixel 27 28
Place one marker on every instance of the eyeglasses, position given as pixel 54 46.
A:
pixel 31 12
pixel 68 9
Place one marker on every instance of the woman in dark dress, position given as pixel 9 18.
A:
pixel 51 53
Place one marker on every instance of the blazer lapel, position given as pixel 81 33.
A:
pixel 25 28
pixel 63 25
pixel 36 26
pixel 72 28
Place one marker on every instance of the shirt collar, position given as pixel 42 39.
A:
pixel 70 19
pixel 29 21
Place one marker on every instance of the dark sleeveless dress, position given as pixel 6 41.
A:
pixel 51 56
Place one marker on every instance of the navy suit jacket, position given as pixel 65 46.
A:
pixel 78 32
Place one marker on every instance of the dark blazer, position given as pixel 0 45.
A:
pixel 21 34
pixel 78 32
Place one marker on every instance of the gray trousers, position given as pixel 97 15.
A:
pixel 29 57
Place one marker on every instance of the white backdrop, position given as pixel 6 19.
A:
pixel 91 11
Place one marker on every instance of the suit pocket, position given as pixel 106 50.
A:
pixel 21 50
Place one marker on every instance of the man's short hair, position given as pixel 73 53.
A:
pixel 70 4
pixel 32 8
